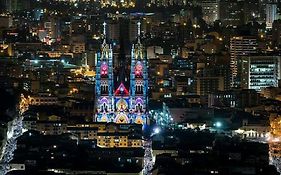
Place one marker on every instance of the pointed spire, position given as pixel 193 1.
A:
pixel 139 31
pixel 138 45
pixel 104 32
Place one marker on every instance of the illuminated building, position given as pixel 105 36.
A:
pixel 166 3
pixel 37 100
pixel 240 46
pixel 107 135
pixel 162 116
pixel 78 47
pixel 120 104
pixel 271 92
pixel 230 12
pixel 210 10
pixel 274 141
pixel 258 72
pixel 234 98
pixel 118 3
pixel 6 49
pixel 51 32
pixel 271 14
pixel 16 5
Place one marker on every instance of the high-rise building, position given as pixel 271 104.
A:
pixel 259 72
pixel 240 46
pixel 15 5
pixel 206 85
pixel 121 103
pixel 252 11
pixel 271 14
pixel 210 9
pixel 2 6
pixel 132 30
pixel 113 30
pixel 276 33
pixel 231 12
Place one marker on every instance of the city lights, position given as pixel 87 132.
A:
pixel 140 87
pixel 218 124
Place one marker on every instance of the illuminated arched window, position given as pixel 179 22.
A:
pixel 138 69
pixel 139 105
pixel 104 87
pixel 139 87
pixel 104 69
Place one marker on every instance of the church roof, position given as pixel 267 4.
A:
pixel 121 90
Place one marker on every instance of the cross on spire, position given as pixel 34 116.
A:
pixel 104 32
pixel 139 31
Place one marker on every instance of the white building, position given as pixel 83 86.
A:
pixel 258 72
pixel 271 15
pixel 240 46
pixel 210 9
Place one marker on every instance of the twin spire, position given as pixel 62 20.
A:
pixel 137 47
pixel 104 32
pixel 139 31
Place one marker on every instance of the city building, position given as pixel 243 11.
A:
pixel 118 3
pixel 240 46
pixel 253 11
pixel 6 21
pixel 271 14
pixel 276 33
pixel 271 92
pixel 230 12
pixel 109 135
pixel 261 71
pixel 234 98
pixel 41 99
pixel 206 85
pixel 113 30
pixel 210 9
pixel 195 89
pixel 122 104
pixel 16 5
pixel 53 125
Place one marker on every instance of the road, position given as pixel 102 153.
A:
pixel 148 161
pixel 11 144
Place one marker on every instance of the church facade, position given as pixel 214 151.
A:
pixel 114 101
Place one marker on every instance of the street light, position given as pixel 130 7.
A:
pixel 218 124
pixel 156 130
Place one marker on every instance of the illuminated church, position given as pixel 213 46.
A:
pixel 121 99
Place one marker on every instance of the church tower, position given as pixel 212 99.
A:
pixel 119 104
pixel 138 81
pixel 104 83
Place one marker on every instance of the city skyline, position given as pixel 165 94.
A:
pixel 144 87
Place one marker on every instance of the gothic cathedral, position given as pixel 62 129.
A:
pixel 114 101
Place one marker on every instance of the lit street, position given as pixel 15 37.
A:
pixel 7 152
pixel 148 161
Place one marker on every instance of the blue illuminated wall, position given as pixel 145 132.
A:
pixel 119 104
